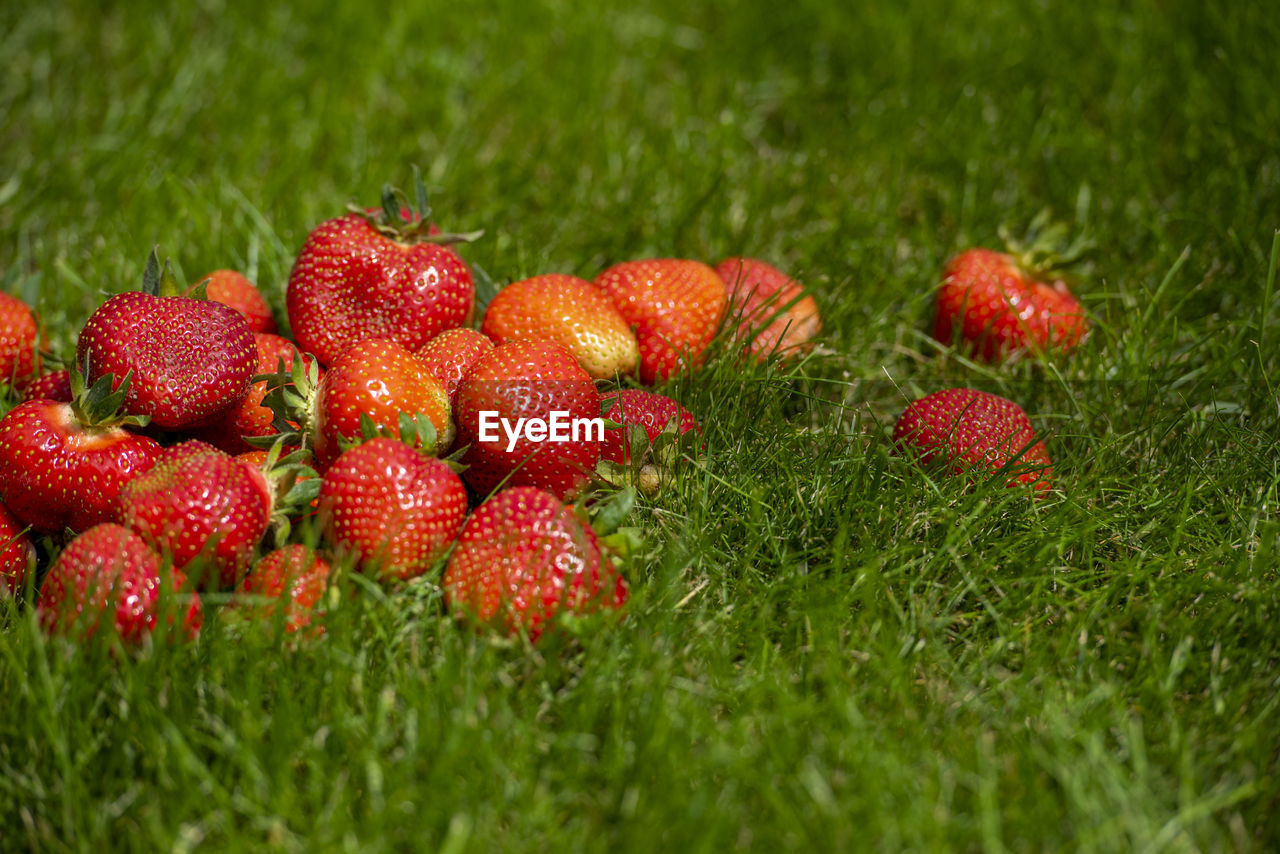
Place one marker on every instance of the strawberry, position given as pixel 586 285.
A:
pixel 295 576
pixel 20 340
pixel 250 418
pixel 17 555
pixel 231 288
pixel 109 568
pixel 377 381
pixel 522 559
pixel 199 503
pixel 63 464
pixel 449 354
pixel 969 431
pixel 529 382
pixel 569 311
pixel 380 275
pixel 773 312
pixel 55 385
pixel 191 359
pixel 674 306
pixel 991 306
pixel 642 449
pixel 395 508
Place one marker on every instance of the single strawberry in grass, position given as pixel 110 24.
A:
pixel 381 275
pixel 62 465
pixel 395 508
pixel 17 555
pixel 20 340
pixel 231 288
pixel 568 311
pixel 205 510
pixel 654 431
pixel 972 432
pixel 55 385
pixel 675 307
pixel 449 354
pixel 293 577
pixel 522 559
pixel 190 359
pixel 529 416
pixel 108 571
pixel 774 314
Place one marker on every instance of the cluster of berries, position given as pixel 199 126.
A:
pixel 180 450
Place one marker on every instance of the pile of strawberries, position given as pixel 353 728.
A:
pixel 182 448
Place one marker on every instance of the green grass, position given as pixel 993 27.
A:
pixel 825 648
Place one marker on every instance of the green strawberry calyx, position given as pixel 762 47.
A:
pixel 1046 248
pixel 390 219
pixel 99 405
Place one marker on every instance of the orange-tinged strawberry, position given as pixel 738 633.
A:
pixel 250 418
pixel 449 354
pixel 232 288
pixel 568 311
pixel 675 307
pixel 294 577
pixel 774 314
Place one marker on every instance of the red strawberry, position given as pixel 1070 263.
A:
pixel 568 311
pixel 529 381
pixel 655 414
pixel 381 381
pixel 109 568
pixel 20 338
pixel 62 464
pixel 16 553
pixel 51 386
pixel 449 354
pixel 774 313
pixel 365 276
pixel 522 558
pixel 674 306
pixel 250 417
pixel 295 576
pixel 976 432
pixel 231 288
pixel 397 509
pixel 199 503
pixel 191 359
pixel 989 305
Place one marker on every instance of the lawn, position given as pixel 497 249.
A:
pixel 825 648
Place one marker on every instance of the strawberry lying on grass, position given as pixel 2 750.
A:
pixel 774 314
pixel 293 577
pixel 231 288
pixel 20 339
pixel 17 555
pixel 653 429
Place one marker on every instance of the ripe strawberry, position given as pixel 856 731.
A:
pixel 395 508
pixel 191 359
pixel 109 568
pixel 295 576
pixel 774 314
pixel 250 417
pixel 974 432
pixel 569 311
pixel 674 306
pixel 63 464
pixel 51 386
pixel 231 288
pixel 527 380
pixel 380 275
pixel 992 307
pixel 16 553
pixel 20 339
pixel 523 558
pixel 380 381
pixel 199 503
pixel 449 354
pixel 643 458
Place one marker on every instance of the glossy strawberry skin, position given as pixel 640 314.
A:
pixel 969 431
pixel 449 354
pixel 57 474
pixel 380 379
pixel 19 340
pixel 294 577
pixel 17 555
pixel 990 307
pixel 191 359
pixel 568 311
pixel 204 509
pixel 351 283
pixel 396 509
pixel 650 410
pixel 674 306
pixel 232 288
pixel 758 291
pixel 249 418
pixel 109 569
pixel 55 385
pixel 527 380
pixel 522 558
